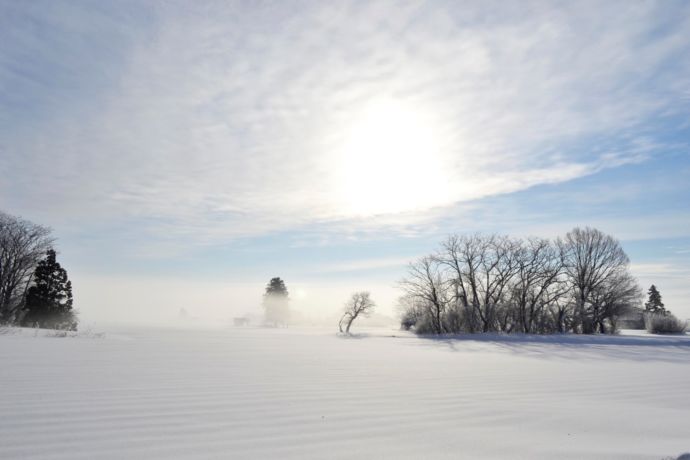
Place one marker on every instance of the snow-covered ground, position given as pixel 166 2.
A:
pixel 307 393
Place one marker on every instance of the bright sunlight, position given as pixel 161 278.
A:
pixel 390 162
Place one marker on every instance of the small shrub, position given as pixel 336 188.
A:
pixel 454 321
pixel 425 326
pixel 408 320
pixel 8 330
pixel 89 333
pixel 685 456
pixel 60 333
pixel 664 324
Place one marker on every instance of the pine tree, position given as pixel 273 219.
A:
pixel 276 302
pixel 654 303
pixel 276 287
pixel 49 300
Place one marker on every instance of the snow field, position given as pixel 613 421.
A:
pixel 310 394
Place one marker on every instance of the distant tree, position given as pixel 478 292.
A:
pixel 276 287
pixel 654 303
pixel 360 304
pixel 276 299
pixel 22 244
pixel 49 299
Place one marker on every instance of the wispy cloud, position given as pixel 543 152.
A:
pixel 203 124
pixel 367 264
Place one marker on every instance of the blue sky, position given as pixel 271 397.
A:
pixel 184 154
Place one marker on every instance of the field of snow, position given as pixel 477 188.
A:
pixel 252 393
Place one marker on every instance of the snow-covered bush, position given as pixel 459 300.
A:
pixel 664 324
pixel 8 330
pixel 61 333
pixel 425 326
pixel 408 320
pixel 685 456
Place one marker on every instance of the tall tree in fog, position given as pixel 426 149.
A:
pixel 276 303
pixel 22 244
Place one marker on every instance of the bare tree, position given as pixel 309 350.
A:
pixel 22 245
pixel 497 270
pixel 480 271
pixel 463 255
pixel 593 261
pixel 618 295
pixel 426 288
pixel 485 283
pixel 360 304
pixel 537 284
pixel 409 311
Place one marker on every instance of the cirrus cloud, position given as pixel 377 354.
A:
pixel 224 121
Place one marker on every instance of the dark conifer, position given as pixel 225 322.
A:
pixel 276 287
pixel 654 303
pixel 49 299
pixel 275 303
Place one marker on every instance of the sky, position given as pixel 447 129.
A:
pixel 185 153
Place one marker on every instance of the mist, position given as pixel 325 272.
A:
pixel 158 301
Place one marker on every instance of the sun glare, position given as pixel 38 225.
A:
pixel 390 162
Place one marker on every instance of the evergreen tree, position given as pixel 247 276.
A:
pixel 276 302
pixel 276 287
pixel 49 299
pixel 654 303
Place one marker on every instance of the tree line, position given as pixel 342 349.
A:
pixel 579 283
pixel 34 288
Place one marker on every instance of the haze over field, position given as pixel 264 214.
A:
pixel 185 154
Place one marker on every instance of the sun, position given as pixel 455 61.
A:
pixel 390 162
